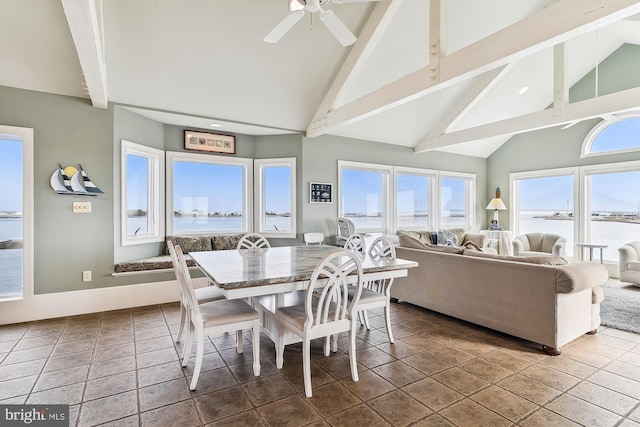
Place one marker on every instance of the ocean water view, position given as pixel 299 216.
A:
pixel 10 259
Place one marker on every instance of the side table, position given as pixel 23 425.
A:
pixel 591 247
pixel 503 239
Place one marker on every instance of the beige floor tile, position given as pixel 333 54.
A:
pixel 68 394
pixel 546 418
pixel 181 413
pixel 62 377
pixel 433 394
pixel 485 370
pixel 469 413
pixel 112 366
pixel 582 412
pixel 17 386
pixel 358 416
pixel 529 389
pixel 108 409
pixel 551 377
pixel 399 373
pixel 423 340
pixel 569 366
pixel 373 356
pixel 388 406
pixel 399 349
pixel 266 390
pixel 248 418
pixel 332 398
pixel 507 360
pixel 427 363
pixel 162 394
pixel 624 369
pixel 291 408
pixel 107 386
pixel 450 354
pixel 369 385
pixel 505 403
pixel 603 397
pixel 461 381
pixel 617 383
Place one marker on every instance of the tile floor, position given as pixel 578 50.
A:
pixel 121 368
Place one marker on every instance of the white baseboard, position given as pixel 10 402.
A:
pixel 61 304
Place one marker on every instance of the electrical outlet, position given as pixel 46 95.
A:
pixel 81 207
pixel 86 276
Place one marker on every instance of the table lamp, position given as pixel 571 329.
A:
pixel 497 205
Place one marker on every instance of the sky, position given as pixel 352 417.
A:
pixel 10 169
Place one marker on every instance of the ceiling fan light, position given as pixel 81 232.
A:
pixel 295 5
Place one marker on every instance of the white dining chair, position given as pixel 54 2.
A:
pixel 313 238
pixel 377 293
pixel 356 243
pixel 214 317
pixel 205 294
pixel 253 241
pixel 326 311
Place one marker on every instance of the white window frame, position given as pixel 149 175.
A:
pixel 433 196
pixel 387 174
pixel 155 193
pixel 247 205
pixel 514 191
pixel 585 203
pixel 259 166
pixel 593 134
pixel 470 196
pixel 26 136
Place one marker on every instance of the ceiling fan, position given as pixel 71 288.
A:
pixel 328 18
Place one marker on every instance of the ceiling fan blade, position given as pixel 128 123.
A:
pixel 337 28
pixel 352 1
pixel 284 26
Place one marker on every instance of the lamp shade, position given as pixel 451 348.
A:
pixel 496 203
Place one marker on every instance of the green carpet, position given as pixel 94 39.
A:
pixel 621 306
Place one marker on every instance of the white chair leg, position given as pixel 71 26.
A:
pixel 239 345
pixel 306 366
pixel 280 348
pixel 183 314
pixel 199 356
pixel 334 343
pixel 352 354
pixel 255 338
pixel 187 347
pixel 366 319
pixel 327 345
pixel 387 319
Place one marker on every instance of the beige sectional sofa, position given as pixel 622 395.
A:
pixel 527 297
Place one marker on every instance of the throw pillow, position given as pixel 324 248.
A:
pixel 447 238
pixel 459 233
pixel 471 245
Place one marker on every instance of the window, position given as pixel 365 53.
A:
pixel 208 194
pixel 364 195
pixel 544 203
pixel 620 135
pixel 612 205
pixel 142 194
pixel 414 199
pixel 457 200
pixel 16 213
pixel 275 197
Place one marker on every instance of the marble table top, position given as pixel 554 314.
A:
pixel 256 267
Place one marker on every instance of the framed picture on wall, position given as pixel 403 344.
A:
pixel 320 192
pixel 212 142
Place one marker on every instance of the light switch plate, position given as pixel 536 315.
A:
pixel 81 207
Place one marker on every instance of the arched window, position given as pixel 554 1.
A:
pixel 622 134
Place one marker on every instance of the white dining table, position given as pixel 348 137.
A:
pixel 272 277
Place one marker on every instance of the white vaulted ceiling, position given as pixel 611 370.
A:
pixel 196 61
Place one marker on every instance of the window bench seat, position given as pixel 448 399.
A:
pixel 162 263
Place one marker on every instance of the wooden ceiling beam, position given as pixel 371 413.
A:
pixel 559 22
pixel 368 39
pixel 85 23
pixel 618 102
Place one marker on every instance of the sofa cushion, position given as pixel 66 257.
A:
pixel 634 265
pixel 222 243
pixel 597 295
pixel 409 242
pixel 422 236
pixel 191 243
pixel 542 260
pixel 152 263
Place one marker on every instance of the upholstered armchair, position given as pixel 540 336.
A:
pixel 536 244
pixel 630 262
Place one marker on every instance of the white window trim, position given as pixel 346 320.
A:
pixel 259 196
pixel 155 212
pixel 26 136
pixel 514 211
pixel 387 198
pixel 593 134
pixel 433 197
pixel 247 164
pixel 470 201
